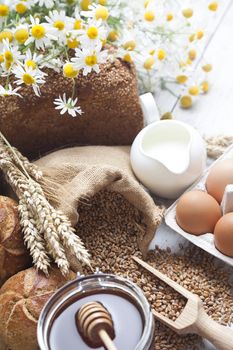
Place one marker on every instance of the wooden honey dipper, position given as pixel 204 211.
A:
pixel 95 325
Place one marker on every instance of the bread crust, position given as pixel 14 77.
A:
pixel 14 256
pixel 22 298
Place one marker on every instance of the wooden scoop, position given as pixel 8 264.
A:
pixel 95 325
pixel 193 318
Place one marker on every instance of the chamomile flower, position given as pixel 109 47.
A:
pixel 9 91
pixel 32 59
pixel 72 40
pixel 10 54
pixel 4 12
pixel 78 22
pixel 93 34
pixel 125 55
pixel 60 24
pixel 47 3
pixel 40 34
pixel 29 76
pixel 89 59
pixel 150 12
pixel 96 12
pixel 21 33
pixel 128 41
pixel 67 106
pixel 21 6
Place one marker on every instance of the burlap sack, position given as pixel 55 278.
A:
pixel 83 171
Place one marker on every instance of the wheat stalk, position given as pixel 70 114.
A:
pixel 47 232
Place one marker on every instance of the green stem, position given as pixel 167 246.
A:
pixel 74 90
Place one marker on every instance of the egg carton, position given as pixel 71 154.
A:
pixel 204 241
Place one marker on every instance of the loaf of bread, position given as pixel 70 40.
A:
pixel 109 100
pixel 22 298
pixel 13 255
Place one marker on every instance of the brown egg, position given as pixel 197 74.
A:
pixel 219 177
pixel 197 212
pixel 223 235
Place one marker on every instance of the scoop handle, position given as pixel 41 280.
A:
pixel 220 336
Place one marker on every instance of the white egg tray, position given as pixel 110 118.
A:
pixel 205 241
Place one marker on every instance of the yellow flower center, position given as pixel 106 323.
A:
pixel 38 31
pixel 149 16
pixel 161 54
pixel 91 60
pixel 113 35
pixel 69 71
pixel 21 8
pixel 4 10
pixel 72 43
pixel 1 58
pixel 170 17
pixel 192 55
pixel 200 34
pixel 92 32
pixel 28 79
pixel 59 25
pixel 84 4
pixel 149 63
pixel 194 90
pixel 187 13
pixel 8 56
pixel 152 52
pixel 77 24
pixel 207 68
pixel 181 79
pixel 6 35
pixel 102 2
pixel 213 6
pixel 186 101
pixel 101 13
pixel 205 86
pixel 21 35
pixel 31 63
pixel 129 45
pixel 127 58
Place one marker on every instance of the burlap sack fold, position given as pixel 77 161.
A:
pixel 84 171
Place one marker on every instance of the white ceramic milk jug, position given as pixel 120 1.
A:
pixel 167 156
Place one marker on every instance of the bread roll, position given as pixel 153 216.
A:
pixel 109 100
pixel 22 298
pixel 13 255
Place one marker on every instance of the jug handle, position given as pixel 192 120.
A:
pixel 149 108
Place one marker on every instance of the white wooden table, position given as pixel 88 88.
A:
pixel 213 113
